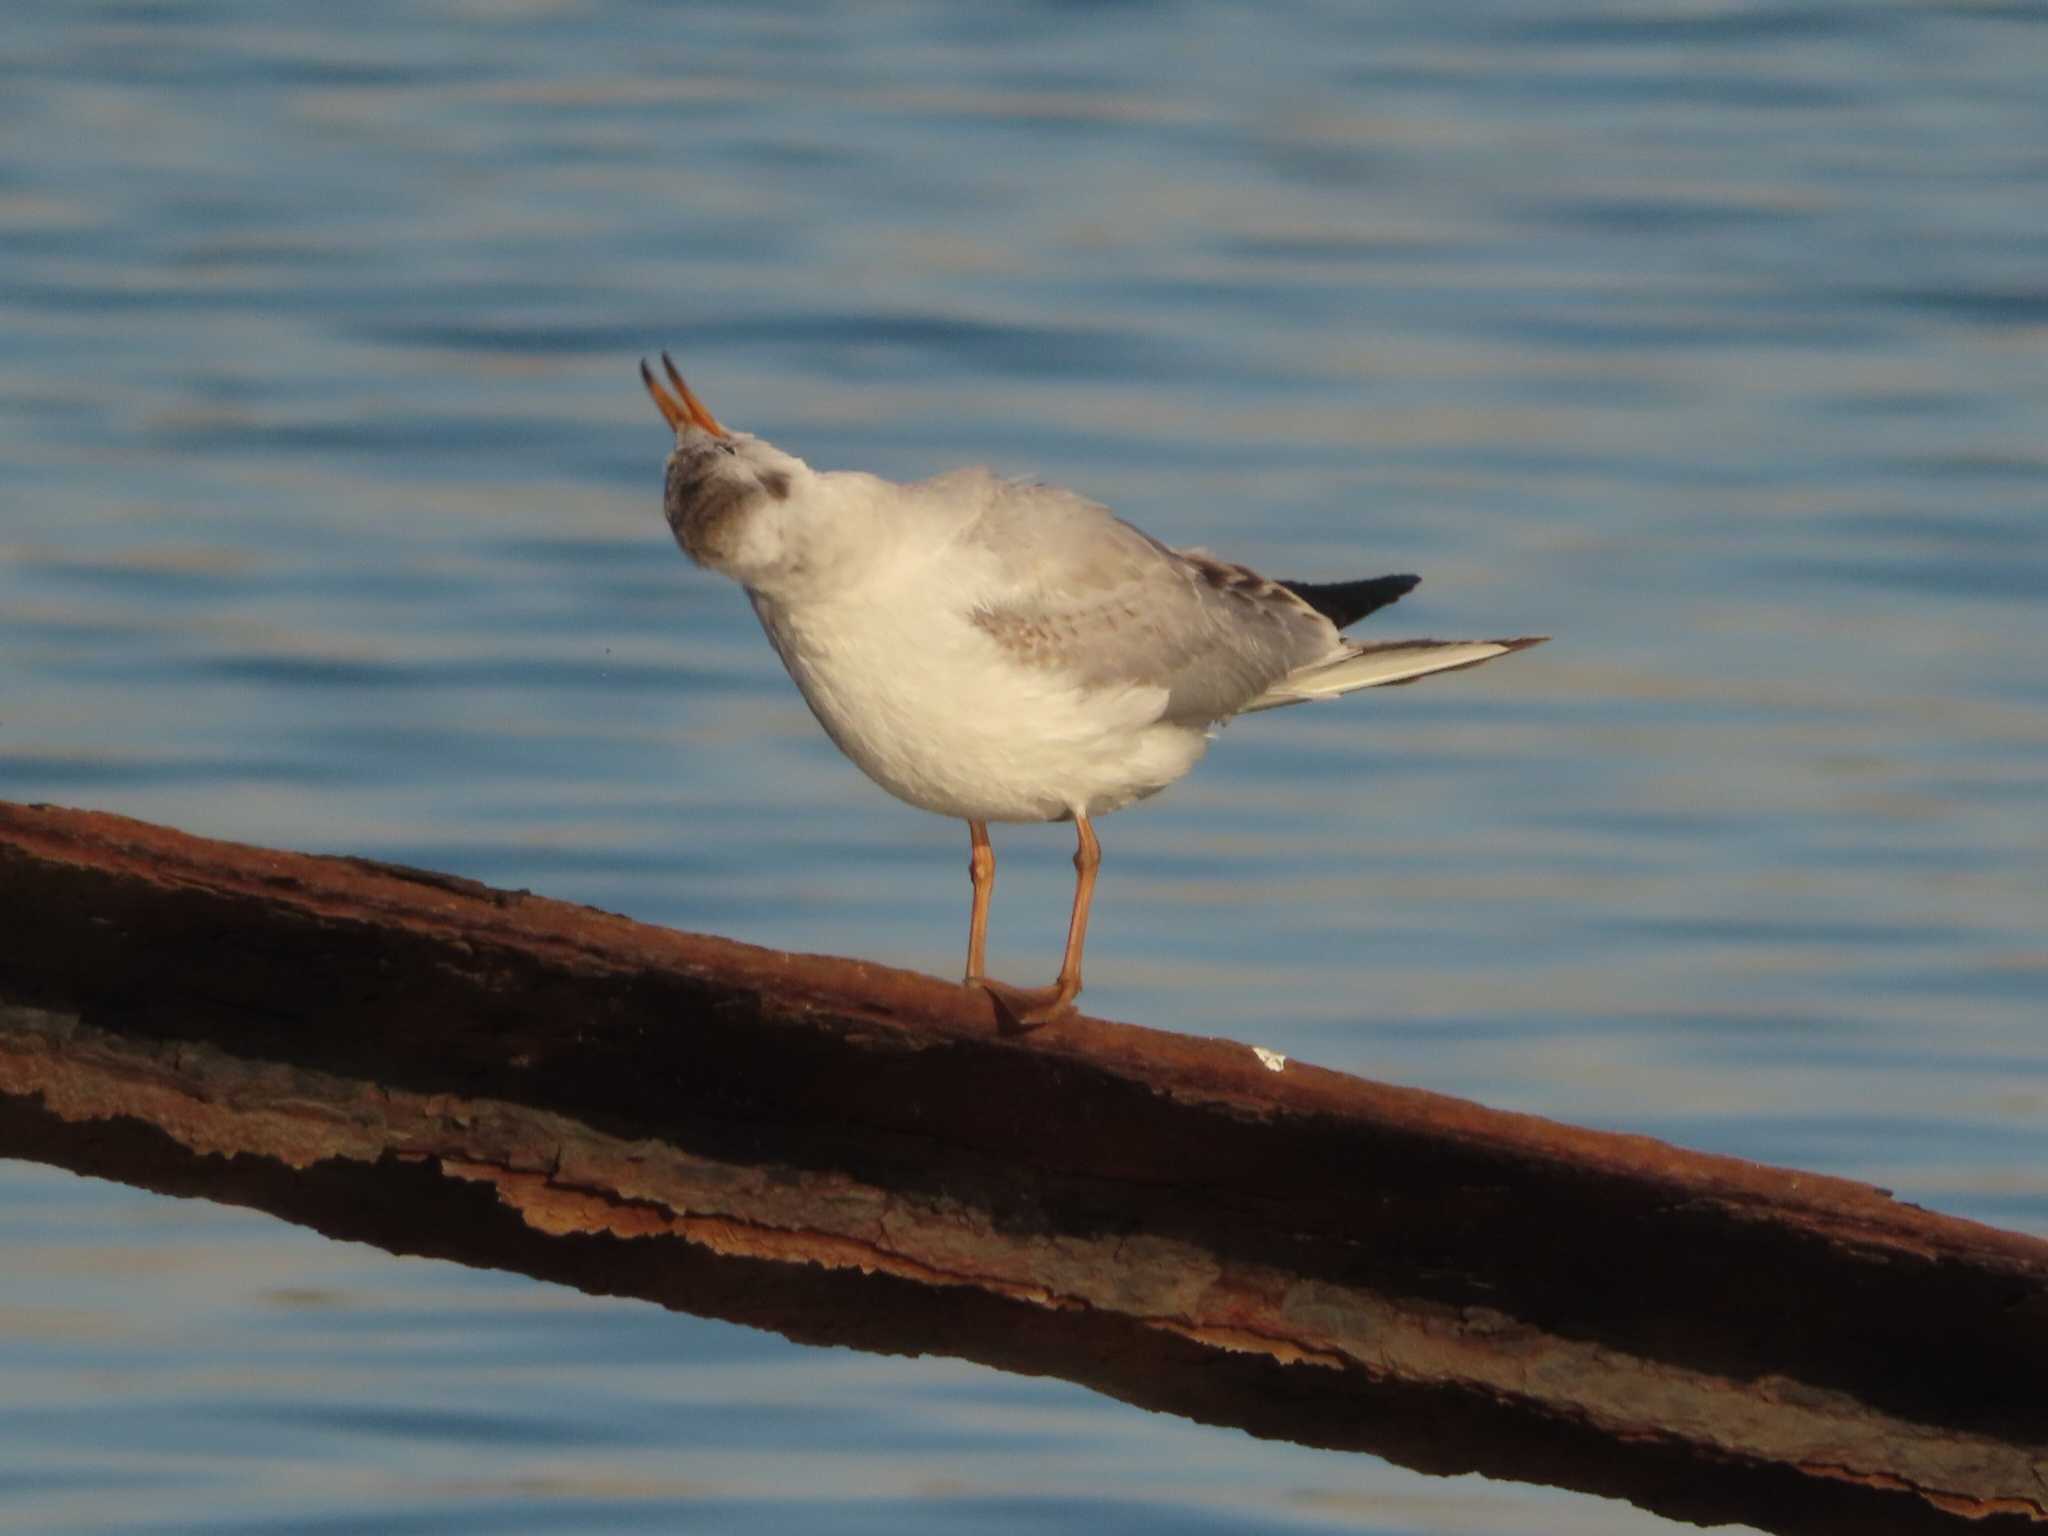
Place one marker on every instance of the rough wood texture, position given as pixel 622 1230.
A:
pixel 851 1154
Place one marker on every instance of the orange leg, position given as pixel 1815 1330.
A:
pixel 1087 859
pixel 981 868
pixel 1038 1005
pixel 1031 1004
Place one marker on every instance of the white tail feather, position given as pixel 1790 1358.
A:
pixel 1380 666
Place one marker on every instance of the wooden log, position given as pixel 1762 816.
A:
pixel 850 1154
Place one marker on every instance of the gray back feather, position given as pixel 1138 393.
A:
pixel 1105 604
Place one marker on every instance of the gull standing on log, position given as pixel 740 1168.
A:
pixel 1001 650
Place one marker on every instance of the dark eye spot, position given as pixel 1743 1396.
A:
pixel 726 448
pixel 776 484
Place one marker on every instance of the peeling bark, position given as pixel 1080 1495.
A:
pixel 856 1155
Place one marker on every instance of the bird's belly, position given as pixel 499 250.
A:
pixel 935 716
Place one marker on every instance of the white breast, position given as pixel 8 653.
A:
pixel 933 711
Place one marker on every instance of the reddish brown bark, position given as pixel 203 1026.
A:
pixel 849 1153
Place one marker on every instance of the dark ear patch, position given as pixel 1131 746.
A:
pixel 776 484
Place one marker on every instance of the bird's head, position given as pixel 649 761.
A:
pixel 725 493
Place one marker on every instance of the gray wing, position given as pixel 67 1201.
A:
pixel 1085 594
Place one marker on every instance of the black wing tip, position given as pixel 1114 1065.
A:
pixel 1344 603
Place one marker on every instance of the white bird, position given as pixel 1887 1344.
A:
pixel 1002 650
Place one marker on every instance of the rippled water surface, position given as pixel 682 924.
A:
pixel 1710 338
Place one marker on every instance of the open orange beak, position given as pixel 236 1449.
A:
pixel 689 409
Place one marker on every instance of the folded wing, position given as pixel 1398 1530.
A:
pixel 1103 605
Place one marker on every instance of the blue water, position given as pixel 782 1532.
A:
pixel 1711 339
